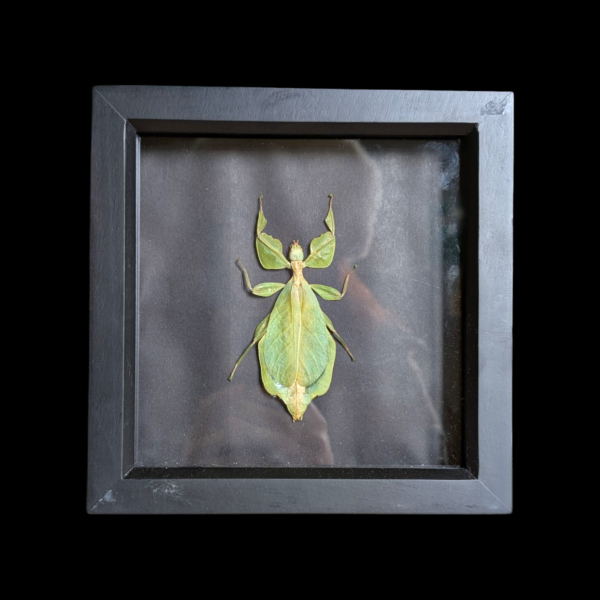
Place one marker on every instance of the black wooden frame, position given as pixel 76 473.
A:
pixel 483 121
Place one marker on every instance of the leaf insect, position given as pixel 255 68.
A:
pixel 296 346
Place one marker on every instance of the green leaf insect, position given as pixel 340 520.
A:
pixel 296 346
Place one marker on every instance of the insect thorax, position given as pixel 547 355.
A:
pixel 297 267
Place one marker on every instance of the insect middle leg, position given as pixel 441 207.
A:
pixel 262 289
pixel 329 293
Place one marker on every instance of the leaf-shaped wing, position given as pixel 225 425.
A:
pixel 268 248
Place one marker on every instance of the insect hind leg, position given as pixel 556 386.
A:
pixel 260 332
pixel 337 335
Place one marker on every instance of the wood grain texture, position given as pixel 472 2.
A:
pixel 495 298
pixel 304 105
pixel 185 496
pixel 107 263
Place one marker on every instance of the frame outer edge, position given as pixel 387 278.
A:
pixel 108 492
pixel 107 220
pixel 299 496
pixel 495 299
pixel 300 105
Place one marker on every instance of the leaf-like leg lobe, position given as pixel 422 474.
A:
pixel 268 248
pixel 322 248
pixel 262 289
pixel 329 293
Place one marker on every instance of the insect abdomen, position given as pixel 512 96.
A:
pixel 296 343
pixel 297 397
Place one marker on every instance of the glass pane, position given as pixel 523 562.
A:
pixel 397 216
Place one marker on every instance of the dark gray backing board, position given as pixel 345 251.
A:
pixel 397 216
pixel 118 481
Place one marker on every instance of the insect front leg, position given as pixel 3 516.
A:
pixel 258 334
pixel 262 289
pixel 329 293
pixel 322 248
pixel 269 249
pixel 337 335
